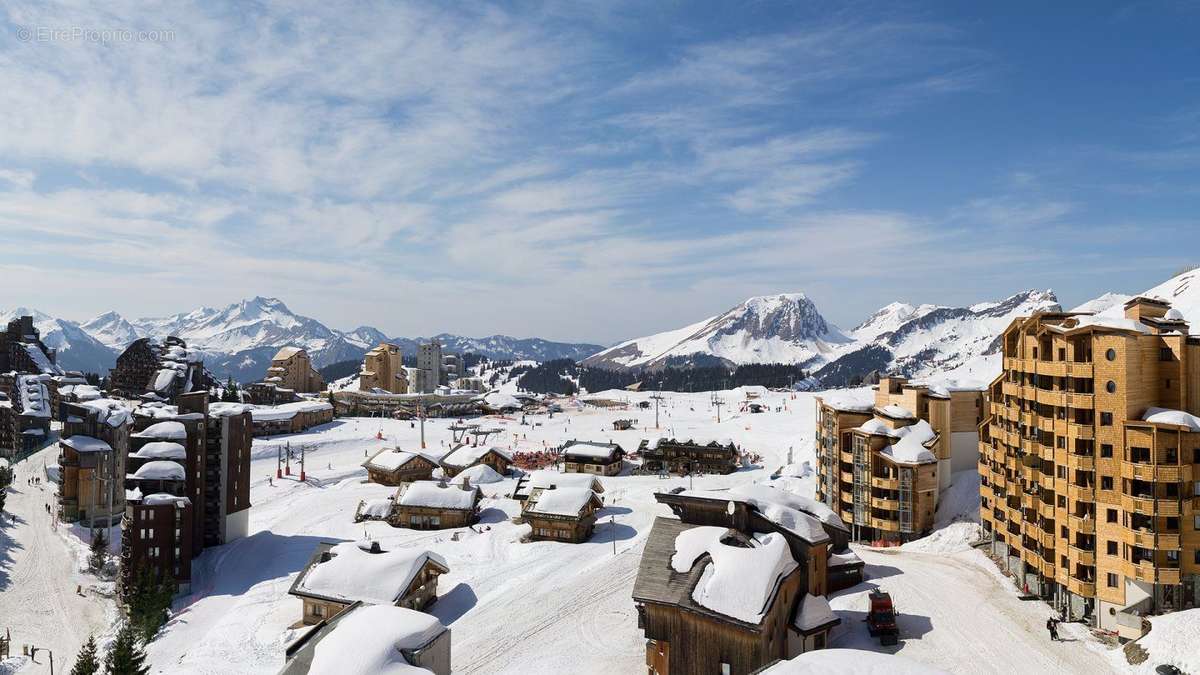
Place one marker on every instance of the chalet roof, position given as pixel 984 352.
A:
pixel 352 572
pixel 391 459
pixel 896 412
pixel 858 401
pixel 1168 416
pixel 563 501
pixel 592 449
pixel 466 455
pixel 545 478
pixel 364 640
pixel 798 515
pixel 736 585
pixel 437 495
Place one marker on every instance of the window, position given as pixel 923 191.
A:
pixel 1106 419
pixel 1112 547
pixel 1111 516
pixel 1106 483
pixel 1106 450
pixel 1165 354
pixel 1110 387
pixel 1167 383
pixel 1111 354
pixel 1112 580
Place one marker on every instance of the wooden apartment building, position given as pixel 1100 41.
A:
pixel 883 460
pixel 93 447
pixel 291 369
pixel 689 456
pixel 1090 462
pixel 383 369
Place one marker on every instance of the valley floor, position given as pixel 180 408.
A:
pixel 537 607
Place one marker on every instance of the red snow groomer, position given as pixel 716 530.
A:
pixel 881 620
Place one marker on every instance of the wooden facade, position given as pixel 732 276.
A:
pixel 689 456
pixel 465 457
pixel 420 506
pixel 603 459
pixel 1087 495
pixel 392 466
pixel 574 528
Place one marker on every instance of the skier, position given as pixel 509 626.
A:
pixel 1052 626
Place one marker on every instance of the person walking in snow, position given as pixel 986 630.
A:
pixel 1052 626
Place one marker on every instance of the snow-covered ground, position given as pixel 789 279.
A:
pixel 547 606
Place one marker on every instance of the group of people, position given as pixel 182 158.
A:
pixel 34 480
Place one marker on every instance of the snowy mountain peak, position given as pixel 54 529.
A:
pixel 889 318
pixel 781 328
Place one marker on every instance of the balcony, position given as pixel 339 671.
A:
pixel 1046 568
pixel 1031 460
pixel 1083 431
pixel 1052 368
pixel 885 483
pixel 1046 539
pixel 1046 509
pixel 1080 400
pixel 847 476
pixel 1080 587
pixel 885 525
pixel 1150 505
pixel 1146 571
pixel 1081 493
pixel 1081 556
pixel 1054 398
pixel 1010 388
pixel 1081 525
pixel 1081 462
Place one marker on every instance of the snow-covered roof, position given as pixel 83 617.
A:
pixel 159 469
pixel 81 443
pixel 167 431
pixel 227 409
pixel 160 450
pixel 563 501
pixel 849 400
pixel 593 449
pixel 110 411
pixel 376 508
pixel 910 449
pixel 814 612
pixel 544 478
pixel 897 412
pixel 435 494
pixel 466 455
pixel 1168 416
pixel 34 395
pixel 287 411
pixel 876 427
pixel 369 639
pixel 849 662
pixel 40 359
pixel 286 353
pixel 501 401
pixel 81 392
pixel 799 515
pixel 480 474
pixel 353 574
pixel 738 582
pixel 393 458
pixel 164 498
pixel 723 441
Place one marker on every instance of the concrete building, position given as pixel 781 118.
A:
pixel 291 369
pixel 22 349
pixel 155 370
pixel 883 463
pixel 429 362
pixel 1090 462
pixel 383 369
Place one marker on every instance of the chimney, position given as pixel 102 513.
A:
pixel 1143 307
pixel 466 483
pixel 375 547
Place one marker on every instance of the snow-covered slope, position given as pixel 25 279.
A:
pixel 1181 290
pixel 784 328
pixel 888 319
pixel 960 342
pixel 1103 303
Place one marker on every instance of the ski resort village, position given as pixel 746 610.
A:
pixel 546 337
pixel 492 513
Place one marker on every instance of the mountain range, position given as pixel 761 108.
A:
pixel 919 340
pixel 959 343
pixel 238 340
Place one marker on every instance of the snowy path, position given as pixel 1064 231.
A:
pixel 958 614
pixel 38 577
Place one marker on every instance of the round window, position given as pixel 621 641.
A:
pixel 1111 354
pixel 1111 387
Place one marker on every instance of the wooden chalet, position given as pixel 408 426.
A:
pixel 466 456
pixel 435 505
pixel 375 634
pixel 622 424
pixel 551 479
pixel 605 459
pixel 717 600
pixel 562 514
pixel 339 575
pixel 689 456
pixel 393 466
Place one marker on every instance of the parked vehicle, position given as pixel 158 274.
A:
pixel 881 620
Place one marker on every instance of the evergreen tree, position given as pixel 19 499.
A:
pixel 3 497
pixel 99 554
pixel 147 601
pixel 6 476
pixel 126 656
pixel 87 663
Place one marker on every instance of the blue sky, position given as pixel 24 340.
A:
pixel 592 172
